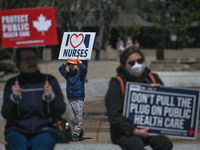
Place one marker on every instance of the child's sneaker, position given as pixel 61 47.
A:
pixel 76 138
pixel 81 134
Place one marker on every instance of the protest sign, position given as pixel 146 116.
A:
pixel 28 27
pixel 77 44
pixel 168 111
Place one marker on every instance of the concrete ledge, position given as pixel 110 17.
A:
pixel 111 147
pixel 180 79
pixel 2 147
pixel 186 147
pixel 80 147
pixel 87 147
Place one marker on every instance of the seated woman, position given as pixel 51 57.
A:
pixel 30 104
pixel 123 132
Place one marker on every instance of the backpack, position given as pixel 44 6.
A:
pixel 122 82
pixel 63 131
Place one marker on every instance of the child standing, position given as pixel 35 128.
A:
pixel 75 93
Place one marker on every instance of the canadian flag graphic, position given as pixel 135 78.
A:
pixel 42 24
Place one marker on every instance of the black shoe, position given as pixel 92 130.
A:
pixel 81 134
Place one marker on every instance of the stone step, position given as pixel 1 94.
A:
pixel 77 146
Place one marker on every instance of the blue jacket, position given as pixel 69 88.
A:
pixel 75 88
pixel 32 114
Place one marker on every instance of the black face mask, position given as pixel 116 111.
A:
pixel 73 71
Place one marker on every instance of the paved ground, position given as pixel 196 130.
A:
pixel 106 67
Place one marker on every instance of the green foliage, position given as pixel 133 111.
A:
pixel 125 31
pixel 5 53
pixel 8 69
pixel 174 16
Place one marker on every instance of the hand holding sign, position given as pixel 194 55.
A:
pixel 144 133
pixel 79 61
pixel 47 90
pixel 155 85
pixel 16 90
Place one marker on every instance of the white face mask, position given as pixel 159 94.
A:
pixel 137 69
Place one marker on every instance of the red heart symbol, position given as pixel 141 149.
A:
pixel 76 38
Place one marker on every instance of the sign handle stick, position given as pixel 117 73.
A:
pixel 16 79
pixel 46 72
pixel 15 61
pixel 48 107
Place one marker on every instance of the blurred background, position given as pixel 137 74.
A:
pixel 165 24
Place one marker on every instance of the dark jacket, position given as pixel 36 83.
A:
pixel 75 88
pixel 114 100
pixel 31 115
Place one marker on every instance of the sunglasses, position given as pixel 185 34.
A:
pixel 139 61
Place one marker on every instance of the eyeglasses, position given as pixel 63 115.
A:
pixel 29 59
pixel 139 61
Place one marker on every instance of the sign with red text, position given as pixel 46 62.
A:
pixel 168 111
pixel 77 44
pixel 28 27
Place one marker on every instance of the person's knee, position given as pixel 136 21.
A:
pixel 132 142
pixel 16 141
pixel 165 143
pixel 43 141
pixel 161 143
pixel 72 118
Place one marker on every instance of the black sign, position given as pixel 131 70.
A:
pixel 168 111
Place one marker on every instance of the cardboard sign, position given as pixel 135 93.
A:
pixel 168 111
pixel 28 27
pixel 77 44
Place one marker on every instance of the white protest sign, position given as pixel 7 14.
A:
pixel 77 44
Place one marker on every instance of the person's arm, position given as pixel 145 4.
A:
pixel 10 105
pixel 144 133
pixel 82 70
pixel 16 90
pixel 48 92
pixel 123 43
pixel 63 71
pixel 114 105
